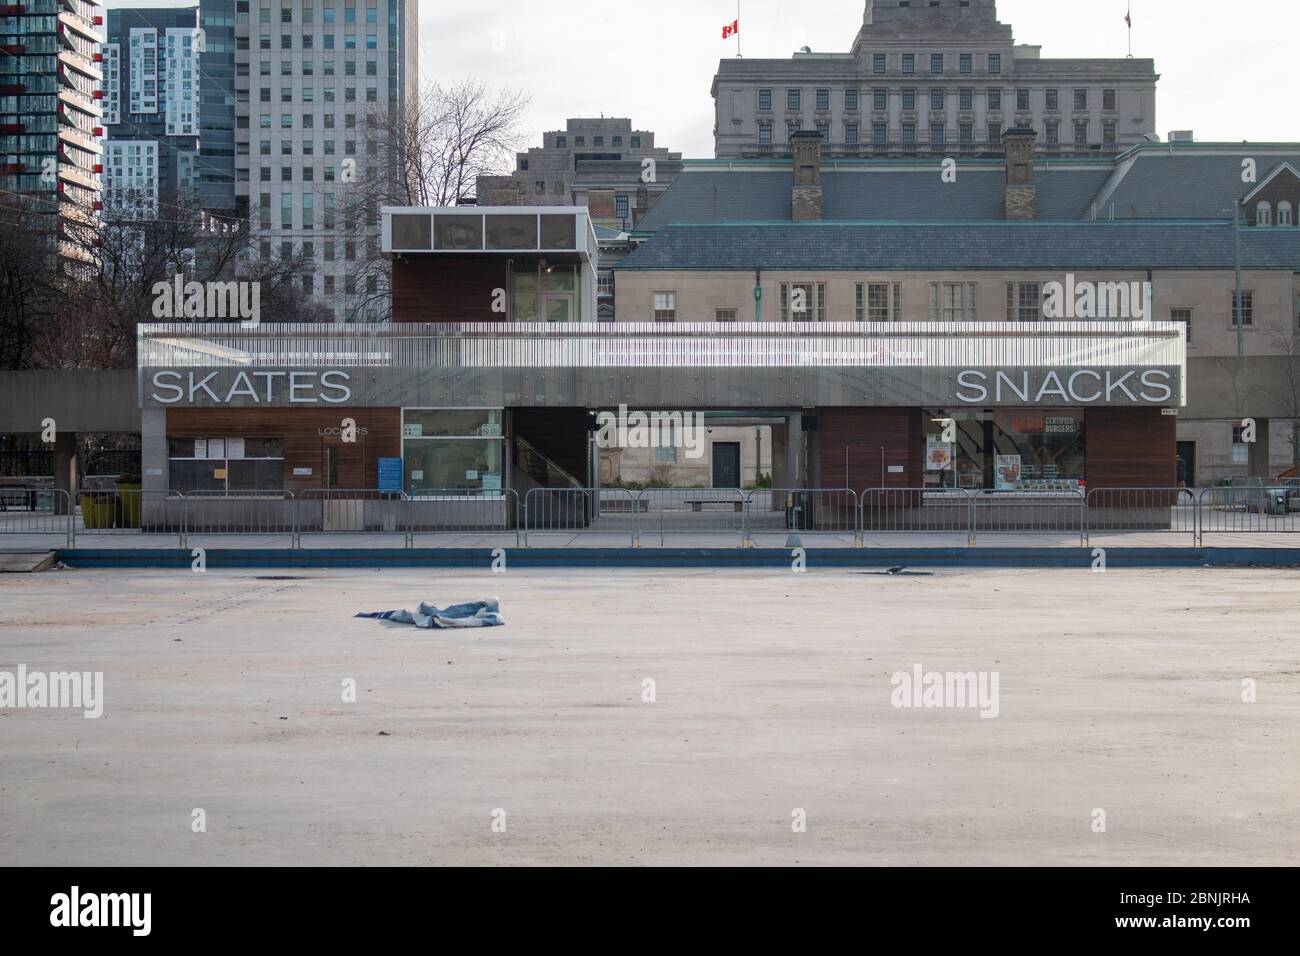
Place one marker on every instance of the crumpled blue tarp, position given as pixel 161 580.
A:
pixel 474 614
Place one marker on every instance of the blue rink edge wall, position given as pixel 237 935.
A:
pixel 718 558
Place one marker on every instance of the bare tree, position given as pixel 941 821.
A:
pixel 468 130
pixel 31 290
pixel 131 252
pixel 429 154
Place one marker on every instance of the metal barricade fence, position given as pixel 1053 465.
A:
pixel 35 520
pixel 912 510
pixel 570 511
pixel 456 511
pixel 675 512
pixel 240 512
pixel 695 511
pixel 128 511
pixel 359 511
pixel 1019 512
pixel 1142 510
pixel 1248 509
pixel 832 512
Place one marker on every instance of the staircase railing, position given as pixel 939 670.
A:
pixel 542 469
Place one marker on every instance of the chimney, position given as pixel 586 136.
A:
pixel 1021 194
pixel 806 199
pixel 642 203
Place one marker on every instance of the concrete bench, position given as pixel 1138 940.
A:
pixel 21 496
pixel 698 503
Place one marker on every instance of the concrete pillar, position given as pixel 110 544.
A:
pixel 65 471
pixel 1258 450
pixel 155 511
pixel 794 450
pixel 779 440
pixel 153 450
pixel 593 467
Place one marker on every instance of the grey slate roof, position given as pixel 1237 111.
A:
pixel 991 245
pixel 1191 183
pixel 913 192
pixel 1160 181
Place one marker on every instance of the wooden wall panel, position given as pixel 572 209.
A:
pixel 863 433
pixel 303 444
pixel 1131 448
pixel 448 289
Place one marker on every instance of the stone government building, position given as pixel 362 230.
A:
pixel 926 76
pixel 888 242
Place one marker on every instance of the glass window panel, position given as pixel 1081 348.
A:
pixel 559 279
pixel 196 475
pixel 253 475
pixel 460 464
pixel 459 422
pixel 263 447
pixel 412 232
pixel 1026 450
pixel 512 232
pixel 559 232
pixel 459 232
pixel 523 296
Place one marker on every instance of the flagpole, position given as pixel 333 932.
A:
pixel 1130 29
pixel 737 30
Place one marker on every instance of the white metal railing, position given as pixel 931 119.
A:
pixel 660 345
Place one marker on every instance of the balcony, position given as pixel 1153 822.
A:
pixel 82 139
pixel 81 63
pixel 82 25
pixel 80 101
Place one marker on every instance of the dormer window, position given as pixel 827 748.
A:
pixel 1264 214
pixel 1284 213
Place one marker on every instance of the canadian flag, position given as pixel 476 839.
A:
pixel 1128 18
pixel 731 29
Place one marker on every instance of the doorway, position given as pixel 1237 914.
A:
pixel 557 306
pixel 1187 464
pixel 726 464
pixel 337 513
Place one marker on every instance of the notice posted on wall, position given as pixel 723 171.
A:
pixel 1007 469
pixel 938 455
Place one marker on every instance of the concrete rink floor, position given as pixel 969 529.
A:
pixel 1118 691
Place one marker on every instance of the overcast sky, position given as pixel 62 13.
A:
pixel 1228 71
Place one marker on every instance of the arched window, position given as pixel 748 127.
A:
pixel 1263 214
pixel 1284 213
